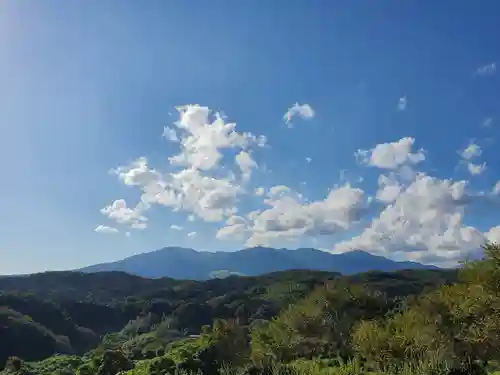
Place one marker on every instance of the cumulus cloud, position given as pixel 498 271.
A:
pixel 289 216
pixel 137 173
pixel 235 229
pixel 402 103
pixel 424 223
pixel 419 217
pixel 208 198
pixel 122 214
pixel 391 155
pixel 203 139
pixel 493 235
pixel 304 111
pixel 201 187
pixel 388 189
pixel 246 163
pixel 278 189
pixel 105 229
pixel 487 70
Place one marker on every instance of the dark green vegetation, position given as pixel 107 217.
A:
pixel 189 264
pixel 293 322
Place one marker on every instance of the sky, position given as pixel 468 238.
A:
pixel 342 125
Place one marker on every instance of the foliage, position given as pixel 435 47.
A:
pixel 318 326
pixel 412 322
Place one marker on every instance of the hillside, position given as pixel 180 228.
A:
pixel 182 263
pixel 69 312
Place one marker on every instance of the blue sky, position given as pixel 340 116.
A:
pixel 86 89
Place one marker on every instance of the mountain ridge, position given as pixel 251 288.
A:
pixel 187 263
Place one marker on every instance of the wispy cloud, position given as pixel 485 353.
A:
pixel 496 189
pixel 476 169
pixel 105 229
pixel 487 70
pixel 304 111
pixel 471 151
pixel 402 103
pixel 487 123
pixel 260 191
pixel 170 134
pixel 176 227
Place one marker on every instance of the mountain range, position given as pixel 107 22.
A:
pixel 184 263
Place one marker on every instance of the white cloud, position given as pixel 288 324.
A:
pixel 122 214
pixel 137 173
pixel 289 216
pixel 391 155
pixel 203 139
pixel 235 229
pixel 308 159
pixel 188 190
pixel 487 70
pixel 206 197
pixel 475 169
pixel 304 111
pixel 496 189
pixel 246 163
pixel 176 227
pixel 201 187
pixel 421 218
pixel 389 189
pixel 105 229
pixel 170 134
pixel 402 103
pixel 425 223
pixel 260 191
pixel 493 235
pixel 279 189
pixel 471 151
pixel 232 232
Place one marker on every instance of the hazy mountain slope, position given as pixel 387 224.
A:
pixel 181 263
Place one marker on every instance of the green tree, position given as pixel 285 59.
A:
pixel 114 361
pixel 161 366
pixel 319 325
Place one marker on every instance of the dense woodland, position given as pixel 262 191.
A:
pixel 292 322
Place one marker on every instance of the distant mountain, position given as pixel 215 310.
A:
pixel 182 263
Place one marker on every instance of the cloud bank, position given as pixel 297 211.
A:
pixel 410 215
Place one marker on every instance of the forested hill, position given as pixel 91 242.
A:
pixel 69 312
